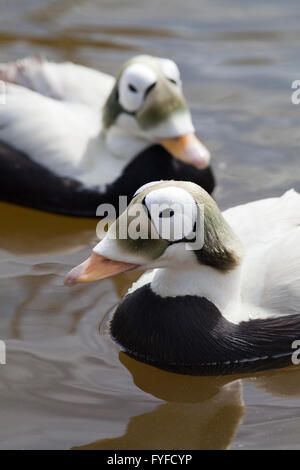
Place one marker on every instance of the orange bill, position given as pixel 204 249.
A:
pixel 188 149
pixel 95 268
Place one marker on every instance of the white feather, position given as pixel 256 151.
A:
pixel 270 232
pixel 62 81
pixel 267 283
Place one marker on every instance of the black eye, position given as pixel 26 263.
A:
pixel 166 213
pixel 132 88
pixel 172 81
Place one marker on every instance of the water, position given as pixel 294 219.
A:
pixel 65 384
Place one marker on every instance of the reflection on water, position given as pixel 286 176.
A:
pixel 199 413
pixel 25 231
pixel 65 384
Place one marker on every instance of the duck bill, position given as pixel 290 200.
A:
pixel 188 149
pixel 95 268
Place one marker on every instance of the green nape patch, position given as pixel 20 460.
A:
pixel 222 249
pixel 112 108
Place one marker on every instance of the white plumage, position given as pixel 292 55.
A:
pixel 270 232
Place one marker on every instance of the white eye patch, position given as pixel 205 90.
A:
pixel 133 83
pixel 173 212
pixel 170 70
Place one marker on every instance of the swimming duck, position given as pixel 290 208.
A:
pixel 223 291
pixel 72 138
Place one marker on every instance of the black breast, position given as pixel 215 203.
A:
pixel 25 182
pixel 154 164
pixel 189 335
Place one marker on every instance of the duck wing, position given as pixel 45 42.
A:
pixel 270 231
pixel 51 112
pixel 281 282
pixel 52 133
pixel 262 221
pixel 61 81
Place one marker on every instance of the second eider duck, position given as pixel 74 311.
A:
pixel 72 138
pixel 222 294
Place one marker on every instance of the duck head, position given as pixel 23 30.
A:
pixel 146 106
pixel 168 224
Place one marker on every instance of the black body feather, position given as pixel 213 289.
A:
pixel 189 335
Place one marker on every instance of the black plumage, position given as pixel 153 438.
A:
pixel 188 335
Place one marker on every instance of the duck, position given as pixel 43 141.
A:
pixel 221 290
pixel 72 138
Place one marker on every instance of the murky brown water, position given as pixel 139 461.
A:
pixel 65 384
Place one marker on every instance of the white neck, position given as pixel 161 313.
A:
pixel 106 156
pixel 222 289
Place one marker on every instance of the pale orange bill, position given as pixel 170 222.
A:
pixel 189 149
pixel 95 268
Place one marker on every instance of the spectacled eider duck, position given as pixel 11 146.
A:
pixel 72 138
pixel 228 304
